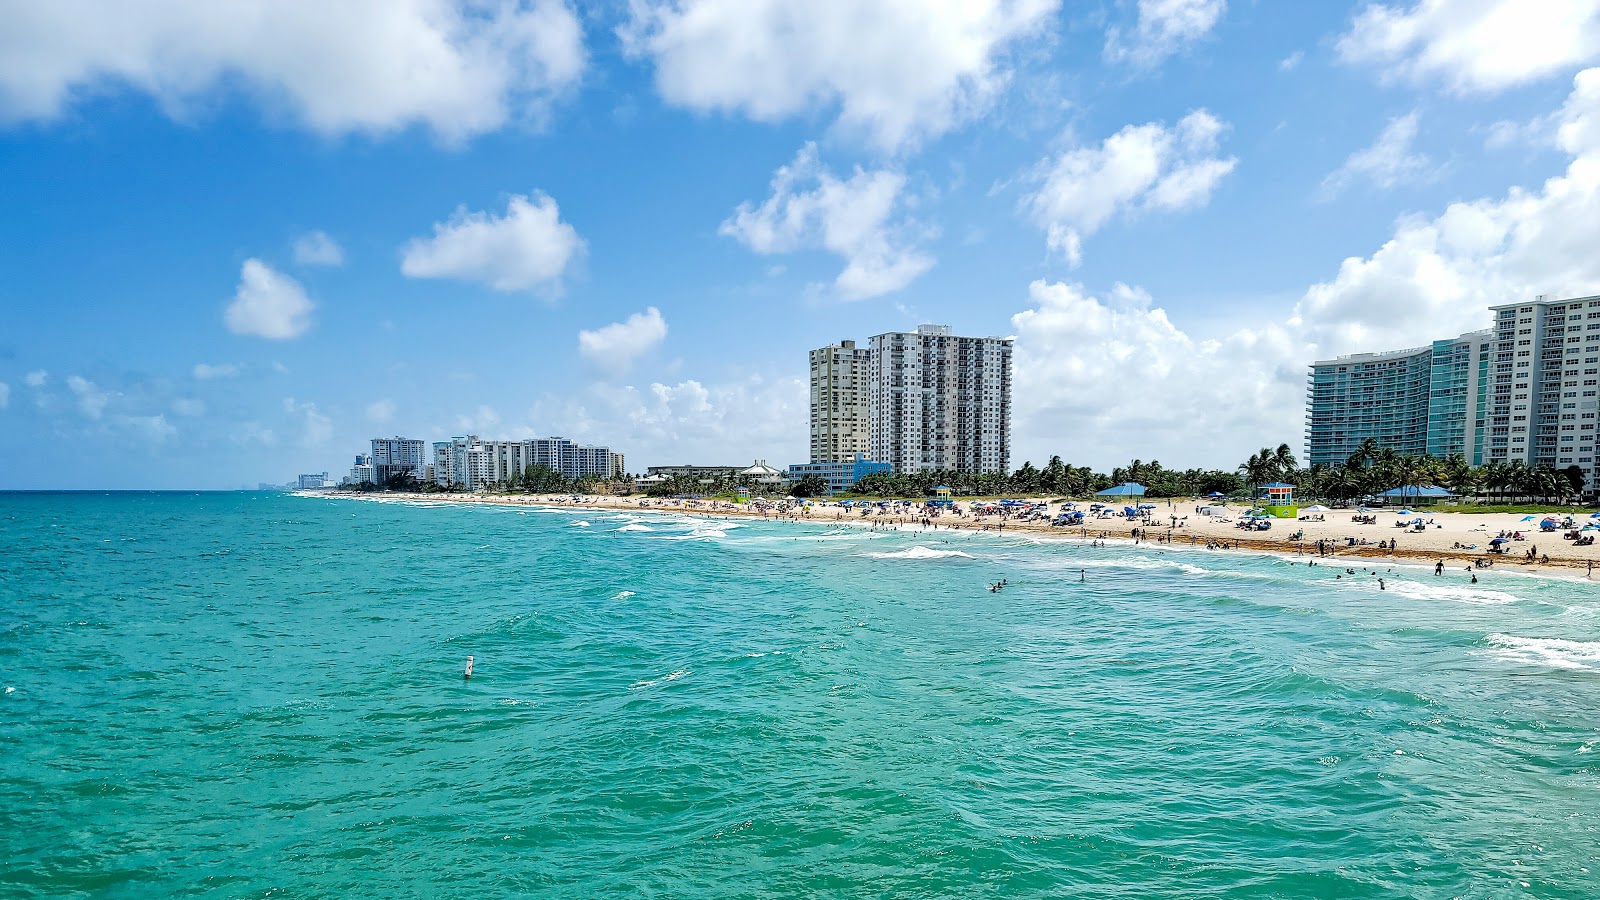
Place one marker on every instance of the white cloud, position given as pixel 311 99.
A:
pixel 268 304
pixel 1165 27
pixel 380 411
pixel 616 346
pixel 1389 161
pixel 5 395
pixel 253 434
pixel 482 422
pixel 526 249
pixel 810 207
pixel 897 71
pixel 457 67
pixel 206 371
pixel 188 406
pixel 1141 167
pixel 1292 61
pixel 316 429
pixel 316 248
pixel 750 417
pixel 36 378
pixel 153 428
pixel 91 399
pixel 1436 277
pixel 1117 368
pixel 1474 45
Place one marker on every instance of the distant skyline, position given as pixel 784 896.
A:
pixel 242 240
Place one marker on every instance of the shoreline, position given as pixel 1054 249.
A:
pixel 1568 563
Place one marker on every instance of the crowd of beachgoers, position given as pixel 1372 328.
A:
pixel 1456 539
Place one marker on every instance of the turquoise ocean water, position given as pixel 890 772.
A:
pixel 252 695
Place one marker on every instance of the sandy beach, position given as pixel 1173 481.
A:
pixel 1458 540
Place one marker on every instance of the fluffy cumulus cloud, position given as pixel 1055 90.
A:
pixel 458 67
pixel 316 248
pixel 1388 162
pixel 380 412
pixel 1474 45
pixel 206 371
pixel 91 399
pixel 853 217
pixel 1117 368
pixel 732 422
pixel 1435 276
pixel 897 71
pixel 36 378
pixel 268 304
pixel 1146 167
pixel 528 248
pixel 316 429
pixel 1165 27
pixel 616 346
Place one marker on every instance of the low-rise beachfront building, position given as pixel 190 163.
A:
pixel 703 474
pixel 1525 390
pixel 840 476
pixel 938 401
pixel 840 411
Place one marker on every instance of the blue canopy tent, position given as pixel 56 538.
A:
pixel 1420 493
pixel 1126 489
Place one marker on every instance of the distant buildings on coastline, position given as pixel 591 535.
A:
pixel 909 402
pixel 470 462
pixel 1526 389
pixel 920 401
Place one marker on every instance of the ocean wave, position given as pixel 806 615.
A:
pixel 670 676
pixel 623 595
pixel 580 524
pixel 921 553
pixel 1556 653
pixel 634 526
pixel 1418 591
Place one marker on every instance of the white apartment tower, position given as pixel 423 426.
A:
pixel 840 427
pixel 1543 398
pixel 940 402
pixel 398 456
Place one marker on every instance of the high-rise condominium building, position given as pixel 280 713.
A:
pixel 940 402
pixel 398 456
pixel 1415 401
pixel 1542 403
pixel 471 462
pixel 1527 389
pixel 840 428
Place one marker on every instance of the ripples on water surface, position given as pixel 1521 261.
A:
pixel 242 695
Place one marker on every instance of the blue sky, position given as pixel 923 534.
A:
pixel 242 239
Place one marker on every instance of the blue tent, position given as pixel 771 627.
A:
pixel 1127 489
pixel 1417 490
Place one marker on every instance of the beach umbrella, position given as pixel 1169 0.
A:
pixel 1316 508
pixel 1528 518
pixel 1498 541
pixel 1147 506
pixel 1404 512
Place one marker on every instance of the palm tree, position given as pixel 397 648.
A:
pixel 1285 463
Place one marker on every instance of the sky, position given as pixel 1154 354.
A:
pixel 239 240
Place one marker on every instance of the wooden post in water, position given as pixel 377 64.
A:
pixel 469 668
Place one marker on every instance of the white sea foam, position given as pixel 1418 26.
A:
pixel 634 526
pixel 920 552
pixel 670 676
pixel 623 595
pixel 1419 591
pixel 580 524
pixel 1556 653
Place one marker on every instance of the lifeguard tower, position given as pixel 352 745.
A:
pixel 1280 501
pixel 941 496
pixel 743 493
